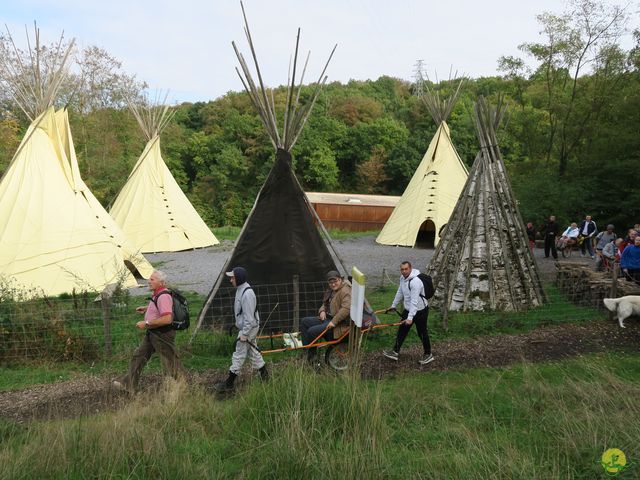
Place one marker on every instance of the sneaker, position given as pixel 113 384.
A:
pixel 392 354
pixel 119 386
pixel 426 359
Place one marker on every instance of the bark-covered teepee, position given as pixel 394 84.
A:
pixel 280 238
pixel 483 260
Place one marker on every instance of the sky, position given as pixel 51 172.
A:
pixel 184 46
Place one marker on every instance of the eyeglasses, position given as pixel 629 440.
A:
pixel 334 280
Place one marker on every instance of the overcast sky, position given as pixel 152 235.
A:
pixel 185 45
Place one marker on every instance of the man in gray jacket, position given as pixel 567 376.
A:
pixel 416 310
pixel 245 309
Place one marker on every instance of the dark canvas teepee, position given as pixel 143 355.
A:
pixel 483 260
pixel 280 238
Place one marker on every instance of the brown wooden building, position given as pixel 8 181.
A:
pixel 353 212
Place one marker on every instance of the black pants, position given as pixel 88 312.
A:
pixel 633 275
pixel 310 328
pixel 550 243
pixel 420 321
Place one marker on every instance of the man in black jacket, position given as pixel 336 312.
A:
pixel 551 232
pixel 587 231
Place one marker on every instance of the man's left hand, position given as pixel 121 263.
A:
pixel 331 325
pixel 141 325
pixel 243 338
pixel 408 321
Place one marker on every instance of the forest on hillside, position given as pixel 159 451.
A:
pixel 571 142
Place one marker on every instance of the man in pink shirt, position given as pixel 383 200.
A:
pixel 159 337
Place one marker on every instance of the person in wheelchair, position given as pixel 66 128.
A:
pixel 332 314
pixel 569 236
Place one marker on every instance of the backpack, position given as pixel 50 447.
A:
pixel 180 310
pixel 427 282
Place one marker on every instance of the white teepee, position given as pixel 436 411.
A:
pixel 50 238
pixel 151 208
pixel 130 252
pixel 433 191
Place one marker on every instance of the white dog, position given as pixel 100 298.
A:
pixel 623 306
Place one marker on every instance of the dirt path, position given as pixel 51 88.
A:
pixel 89 395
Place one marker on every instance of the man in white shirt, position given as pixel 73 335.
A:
pixel 416 310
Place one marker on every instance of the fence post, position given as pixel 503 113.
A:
pixel 105 300
pixel 445 303
pixel 355 336
pixel 296 303
pixel 614 285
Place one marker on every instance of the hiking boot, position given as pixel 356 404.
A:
pixel 391 354
pixel 426 359
pixel 227 385
pixel 264 374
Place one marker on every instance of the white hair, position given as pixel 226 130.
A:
pixel 160 276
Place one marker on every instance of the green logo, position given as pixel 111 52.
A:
pixel 613 461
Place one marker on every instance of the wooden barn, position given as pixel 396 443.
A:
pixel 352 212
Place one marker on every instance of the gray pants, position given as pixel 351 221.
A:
pixel 163 343
pixel 244 350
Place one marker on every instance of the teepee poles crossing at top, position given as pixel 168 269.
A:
pixel 34 81
pixel 152 116
pixel 440 108
pixel 295 115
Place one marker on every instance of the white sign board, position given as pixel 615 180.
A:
pixel 357 296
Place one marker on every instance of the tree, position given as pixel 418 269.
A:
pixel 584 36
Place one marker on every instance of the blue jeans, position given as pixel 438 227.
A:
pixel 588 244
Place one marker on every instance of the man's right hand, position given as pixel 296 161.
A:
pixel 390 309
pixel 141 309
pixel 322 316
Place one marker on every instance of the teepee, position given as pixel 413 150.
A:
pixel 151 208
pixel 130 252
pixel 51 238
pixel 483 261
pixel 279 239
pixel 432 193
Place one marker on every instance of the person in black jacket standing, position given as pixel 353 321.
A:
pixel 551 232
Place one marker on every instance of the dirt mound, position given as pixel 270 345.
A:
pixel 90 394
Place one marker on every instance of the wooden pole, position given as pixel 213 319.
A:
pixel 614 285
pixel 355 336
pixel 106 321
pixel 445 305
pixel 296 303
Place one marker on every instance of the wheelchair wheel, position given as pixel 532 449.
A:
pixel 337 356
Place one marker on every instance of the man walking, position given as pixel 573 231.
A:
pixel 416 310
pixel 159 336
pixel 551 232
pixel 245 309
pixel 587 231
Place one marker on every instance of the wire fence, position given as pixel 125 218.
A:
pixel 85 328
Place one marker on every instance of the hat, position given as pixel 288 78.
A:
pixel 333 274
pixel 239 273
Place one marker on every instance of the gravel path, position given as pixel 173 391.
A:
pixel 197 270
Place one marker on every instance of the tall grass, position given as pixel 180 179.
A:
pixel 527 421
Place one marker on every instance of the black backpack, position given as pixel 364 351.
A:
pixel 180 310
pixel 427 281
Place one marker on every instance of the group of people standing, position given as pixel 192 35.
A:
pixel 609 247
pixel 331 322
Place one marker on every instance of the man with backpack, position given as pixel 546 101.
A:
pixel 159 337
pixel 416 310
pixel 245 309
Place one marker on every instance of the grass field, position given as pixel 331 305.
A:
pixel 523 422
